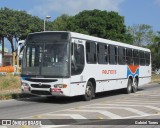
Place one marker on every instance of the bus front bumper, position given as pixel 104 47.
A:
pixel 43 91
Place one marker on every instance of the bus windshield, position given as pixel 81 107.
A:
pixel 46 58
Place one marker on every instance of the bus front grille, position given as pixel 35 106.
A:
pixel 39 92
pixel 40 86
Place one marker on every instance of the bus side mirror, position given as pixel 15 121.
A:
pixel 20 46
pixel 72 59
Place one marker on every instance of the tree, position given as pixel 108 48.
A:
pixel 142 34
pixel 17 24
pixel 155 50
pixel 1 36
pixel 109 25
pixel 157 37
pixel 4 22
pixel 60 24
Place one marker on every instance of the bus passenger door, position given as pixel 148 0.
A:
pixel 77 66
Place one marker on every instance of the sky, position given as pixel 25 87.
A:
pixel 134 11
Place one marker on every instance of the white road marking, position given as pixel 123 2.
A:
pixel 137 111
pixel 156 95
pixel 145 94
pixel 131 117
pixel 146 106
pixel 139 101
pixel 115 105
pixel 128 109
pixel 152 107
pixel 123 102
pixel 74 116
pixel 145 98
pixel 27 117
pixel 106 113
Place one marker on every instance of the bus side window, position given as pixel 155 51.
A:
pixel 112 51
pixel 91 52
pixel 102 53
pixel 121 55
pixel 147 58
pixel 129 57
pixel 136 57
pixel 142 58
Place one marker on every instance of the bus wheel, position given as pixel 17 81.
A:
pixel 89 92
pixel 129 86
pixel 135 85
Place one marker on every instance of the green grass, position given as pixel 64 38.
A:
pixel 9 82
pixel 5 84
pixel 10 87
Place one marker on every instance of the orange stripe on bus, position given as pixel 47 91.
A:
pixel 133 68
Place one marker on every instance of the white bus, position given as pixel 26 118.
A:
pixel 59 63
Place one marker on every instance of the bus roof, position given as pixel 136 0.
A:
pixel 97 39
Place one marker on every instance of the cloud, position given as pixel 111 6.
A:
pixel 72 7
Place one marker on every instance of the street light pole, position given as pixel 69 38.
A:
pixel 44 24
pixel 46 18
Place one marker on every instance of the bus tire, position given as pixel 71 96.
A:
pixel 135 85
pixel 89 91
pixel 128 90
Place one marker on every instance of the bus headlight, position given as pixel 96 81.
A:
pixel 25 87
pixel 60 85
pixel 24 84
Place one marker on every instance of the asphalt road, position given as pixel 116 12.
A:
pixel 144 104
